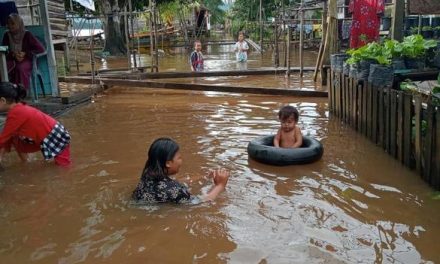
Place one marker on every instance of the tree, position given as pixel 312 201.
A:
pixel 113 26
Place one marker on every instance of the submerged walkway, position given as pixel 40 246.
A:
pixel 193 81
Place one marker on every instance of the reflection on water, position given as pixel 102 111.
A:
pixel 355 205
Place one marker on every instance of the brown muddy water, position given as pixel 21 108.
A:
pixel 217 58
pixel 355 205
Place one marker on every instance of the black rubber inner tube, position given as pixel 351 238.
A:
pixel 262 150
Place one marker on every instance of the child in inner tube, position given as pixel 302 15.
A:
pixel 289 134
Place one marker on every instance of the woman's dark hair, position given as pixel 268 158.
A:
pixel 11 92
pixel 161 151
pixel 287 112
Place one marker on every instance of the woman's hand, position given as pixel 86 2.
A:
pixel 19 56
pixel 220 177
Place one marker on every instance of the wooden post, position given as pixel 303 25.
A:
pixel 277 50
pixel 288 52
pixel 321 45
pixel 44 16
pixel 381 117
pixel 130 9
pixel 397 24
pixel 418 134
pixel 400 126
pixel 156 52
pixel 407 123
pixel 127 39
pixel 261 25
pixel 393 123
pixel 301 40
pixel 374 113
pixel 436 155
pixel 330 43
pixel 429 142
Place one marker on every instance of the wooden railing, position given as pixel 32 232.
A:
pixel 406 125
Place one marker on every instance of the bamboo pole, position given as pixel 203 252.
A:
pixel 130 10
pixel 277 50
pixel 301 41
pixel 261 25
pixel 127 40
pixel 288 52
pixel 156 53
pixel 330 44
pixel 321 46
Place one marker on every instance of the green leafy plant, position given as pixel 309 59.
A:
pixel 371 51
pixel 426 28
pixel 393 48
pixel 415 46
pixel 408 86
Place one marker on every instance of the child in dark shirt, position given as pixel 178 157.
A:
pixel 164 160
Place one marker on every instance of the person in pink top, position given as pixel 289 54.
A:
pixel 27 129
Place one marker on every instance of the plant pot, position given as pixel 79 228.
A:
pixel 426 22
pixel 398 64
pixel 352 73
pixel 428 34
pixel 337 60
pixel 436 58
pixel 415 63
pixel 345 68
pixel 435 21
pixel 411 22
pixel 386 23
pixel 381 75
pixel 364 69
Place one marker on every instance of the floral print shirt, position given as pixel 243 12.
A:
pixel 151 190
pixel 366 21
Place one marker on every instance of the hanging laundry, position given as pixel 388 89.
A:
pixel 366 21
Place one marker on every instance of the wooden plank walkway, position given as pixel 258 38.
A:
pixel 196 87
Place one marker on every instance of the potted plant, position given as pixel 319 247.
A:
pixel 386 23
pixel 436 31
pixel 337 61
pixel 414 48
pixel 427 32
pixel 381 73
pixel 393 49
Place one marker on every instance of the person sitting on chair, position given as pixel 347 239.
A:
pixel 22 47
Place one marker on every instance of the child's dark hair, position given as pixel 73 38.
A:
pixel 288 111
pixel 197 41
pixel 11 92
pixel 161 151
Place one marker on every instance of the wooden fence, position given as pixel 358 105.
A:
pixel 405 125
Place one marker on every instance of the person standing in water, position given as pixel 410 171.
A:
pixel 156 186
pixel 241 48
pixel 196 57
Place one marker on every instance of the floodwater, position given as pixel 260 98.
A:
pixel 277 81
pixel 355 205
pixel 217 58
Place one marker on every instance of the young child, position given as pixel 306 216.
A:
pixel 29 130
pixel 289 134
pixel 241 48
pixel 196 58
pixel 164 160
